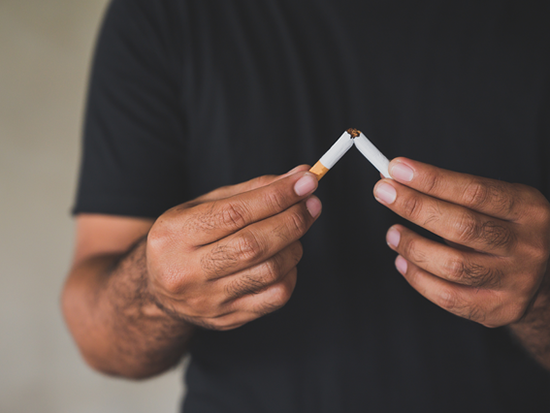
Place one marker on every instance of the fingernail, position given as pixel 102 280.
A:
pixel 401 264
pixel 305 185
pixel 402 172
pixel 314 206
pixel 392 237
pixel 385 192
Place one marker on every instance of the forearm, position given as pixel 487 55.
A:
pixel 115 321
pixel 533 330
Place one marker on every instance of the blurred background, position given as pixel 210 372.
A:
pixel 45 52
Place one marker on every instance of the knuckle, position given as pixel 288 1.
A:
pixel 506 203
pixel 480 276
pixel 276 198
pixel 449 301
pixel 248 247
pixel 271 271
pixel 500 197
pixel 171 279
pixel 298 223
pixel 475 313
pixel 286 294
pixel 432 182
pixel 476 194
pixel 432 214
pixel 497 235
pixel 242 286
pixel 413 252
pixel 232 290
pixel 172 282
pixel 452 302
pixel 280 295
pixel 220 260
pixel 158 237
pixel 467 228
pixel 199 221
pixel 455 269
pixel 293 226
pixel 233 214
pixel 266 308
pixel 412 207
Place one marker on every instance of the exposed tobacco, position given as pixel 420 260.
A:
pixel 354 133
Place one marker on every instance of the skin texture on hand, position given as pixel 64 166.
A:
pixel 230 257
pixel 138 289
pixel 493 267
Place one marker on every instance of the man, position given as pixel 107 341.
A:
pixel 190 100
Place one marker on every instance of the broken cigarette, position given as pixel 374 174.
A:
pixel 342 145
pixel 373 155
pixel 333 155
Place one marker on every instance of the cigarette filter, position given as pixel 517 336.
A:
pixel 373 155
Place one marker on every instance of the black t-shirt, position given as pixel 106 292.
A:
pixel 190 95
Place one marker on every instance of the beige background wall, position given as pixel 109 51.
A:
pixel 45 48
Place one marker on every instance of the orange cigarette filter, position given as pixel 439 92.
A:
pixel 333 155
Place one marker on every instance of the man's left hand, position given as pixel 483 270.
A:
pixel 498 240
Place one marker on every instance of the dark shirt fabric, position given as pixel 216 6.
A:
pixel 190 95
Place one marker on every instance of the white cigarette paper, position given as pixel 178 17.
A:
pixel 336 151
pixel 373 155
pixel 333 155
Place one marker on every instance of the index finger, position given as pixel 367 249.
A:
pixel 212 221
pixel 488 196
pixel 231 190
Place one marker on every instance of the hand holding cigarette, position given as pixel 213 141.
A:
pixel 494 269
pixel 230 256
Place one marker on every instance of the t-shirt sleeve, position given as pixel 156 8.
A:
pixel 132 160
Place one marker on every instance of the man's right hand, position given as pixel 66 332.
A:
pixel 230 256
